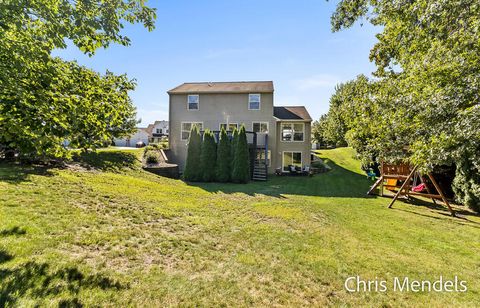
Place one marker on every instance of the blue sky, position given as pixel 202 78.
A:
pixel 289 42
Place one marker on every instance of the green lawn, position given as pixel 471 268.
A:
pixel 114 235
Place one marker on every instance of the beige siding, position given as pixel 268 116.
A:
pixel 215 109
pixel 294 146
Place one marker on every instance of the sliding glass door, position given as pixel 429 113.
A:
pixel 292 159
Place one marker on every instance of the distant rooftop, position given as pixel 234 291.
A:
pixel 291 113
pixel 224 87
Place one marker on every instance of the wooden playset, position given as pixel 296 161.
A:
pixel 405 180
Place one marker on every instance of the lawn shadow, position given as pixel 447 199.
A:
pixel 13 231
pixel 39 281
pixel 339 182
pixel 16 173
pixel 107 160
pixel 441 209
pixel 5 256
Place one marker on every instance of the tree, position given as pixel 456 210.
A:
pixel 38 96
pixel 222 168
pixel 208 157
pixel 192 171
pixel 241 163
pixel 233 149
pixel 318 130
pixel 424 100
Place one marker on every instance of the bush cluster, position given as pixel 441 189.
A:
pixel 152 157
pixel 224 161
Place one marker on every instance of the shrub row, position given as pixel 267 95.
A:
pixel 225 161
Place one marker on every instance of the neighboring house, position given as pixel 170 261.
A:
pixel 141 135
pixel 159 131
pixel 153 133
pixel 280 133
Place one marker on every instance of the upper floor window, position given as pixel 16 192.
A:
pixel 159 130
pixel 260 127
pixel 293 131
pixel 230 126
pixel 254 101
pixel 187 127
pixel 193 102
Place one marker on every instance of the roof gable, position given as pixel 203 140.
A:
pixel 224 87
pixel 291 113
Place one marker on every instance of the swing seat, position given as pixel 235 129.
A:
pixel 419 188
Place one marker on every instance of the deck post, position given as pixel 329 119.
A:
pixel 266 153
pixel 254 156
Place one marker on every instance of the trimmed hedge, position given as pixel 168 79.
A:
pixel 241 163
pixel 208 157
pixel 222 168
pixel 193 172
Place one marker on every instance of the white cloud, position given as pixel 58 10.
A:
pixel 317 81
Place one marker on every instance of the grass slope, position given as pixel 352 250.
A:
pixel 116 235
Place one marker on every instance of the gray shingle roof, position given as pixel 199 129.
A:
pixel 224 87
pixel 291 113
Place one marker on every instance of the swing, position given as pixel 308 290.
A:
pixel 392 173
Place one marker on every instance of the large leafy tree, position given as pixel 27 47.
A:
pixel 425 98
pixel 39 94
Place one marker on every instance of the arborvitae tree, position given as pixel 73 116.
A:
pixel 241 164
pixel 192 169
pixel 233 148
pixel 222 169
pixel 208 157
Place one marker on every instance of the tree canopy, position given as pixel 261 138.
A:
pixel 45 101
pixel 422 106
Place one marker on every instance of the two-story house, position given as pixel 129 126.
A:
pixel 280 135
pixel 159 131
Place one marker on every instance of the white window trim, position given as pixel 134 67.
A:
pixel 261 122
pixel 181 129
pixel 259 101
pixel 188 104
pixel 228 124
pixel 283 158
pixel 292 123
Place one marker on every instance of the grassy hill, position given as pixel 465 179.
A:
pixel 106 233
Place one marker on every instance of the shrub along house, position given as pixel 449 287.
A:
pixel 279 137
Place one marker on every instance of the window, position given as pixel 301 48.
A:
pixel 193 102
pixel 159 130
pixel 292 159
pixel 230 126
pixel 292 131
pixel 260 127
pixel 254 102
pixel 187 127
